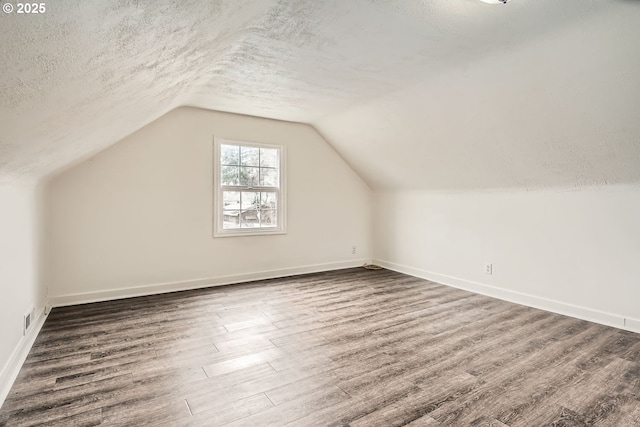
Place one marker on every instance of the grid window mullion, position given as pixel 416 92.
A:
pixel 252 172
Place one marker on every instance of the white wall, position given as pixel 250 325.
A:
pixel 139 214
pixel 576 252
pixel 21 265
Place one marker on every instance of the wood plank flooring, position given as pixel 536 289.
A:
pixel 352 347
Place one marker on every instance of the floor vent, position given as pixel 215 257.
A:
pixel 27 323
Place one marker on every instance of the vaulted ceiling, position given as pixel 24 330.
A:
pixel 414 94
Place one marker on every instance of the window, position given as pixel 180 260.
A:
pixel 249 194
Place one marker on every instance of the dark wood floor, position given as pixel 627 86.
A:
pixel 353 347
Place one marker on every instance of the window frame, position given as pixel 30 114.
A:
pixel 218 188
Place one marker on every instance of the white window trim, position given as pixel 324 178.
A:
pixel 218 230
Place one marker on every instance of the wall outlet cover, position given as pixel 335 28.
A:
pixel 488 268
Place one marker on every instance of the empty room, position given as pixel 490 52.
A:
pixel 320 213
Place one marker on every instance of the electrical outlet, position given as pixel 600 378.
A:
pixel 353 250
pixel 488 269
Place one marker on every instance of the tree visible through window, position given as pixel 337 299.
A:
pixel 250 197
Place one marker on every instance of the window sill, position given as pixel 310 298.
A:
pixel 247 233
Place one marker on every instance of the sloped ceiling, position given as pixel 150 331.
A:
pixel 415 94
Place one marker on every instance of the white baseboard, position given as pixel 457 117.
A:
pixel 566 309
pixel 12 368
pixel 632 325
pixel 88 297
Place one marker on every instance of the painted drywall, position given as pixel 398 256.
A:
pixel 22 288
pixel 577 248
pixel 140 213
pixel 560 110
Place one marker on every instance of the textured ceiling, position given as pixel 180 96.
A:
pixel 439 94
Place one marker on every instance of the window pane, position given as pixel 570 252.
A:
pixel 231 219
pixel 249 156
pixel 249 176
pixel 269 177
pixel 250 218
pixel 230 200
pixel 269 157
pixel 229 154
pixel 268 218
pixel 230 175
pixel 250 200
pixel 268 200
